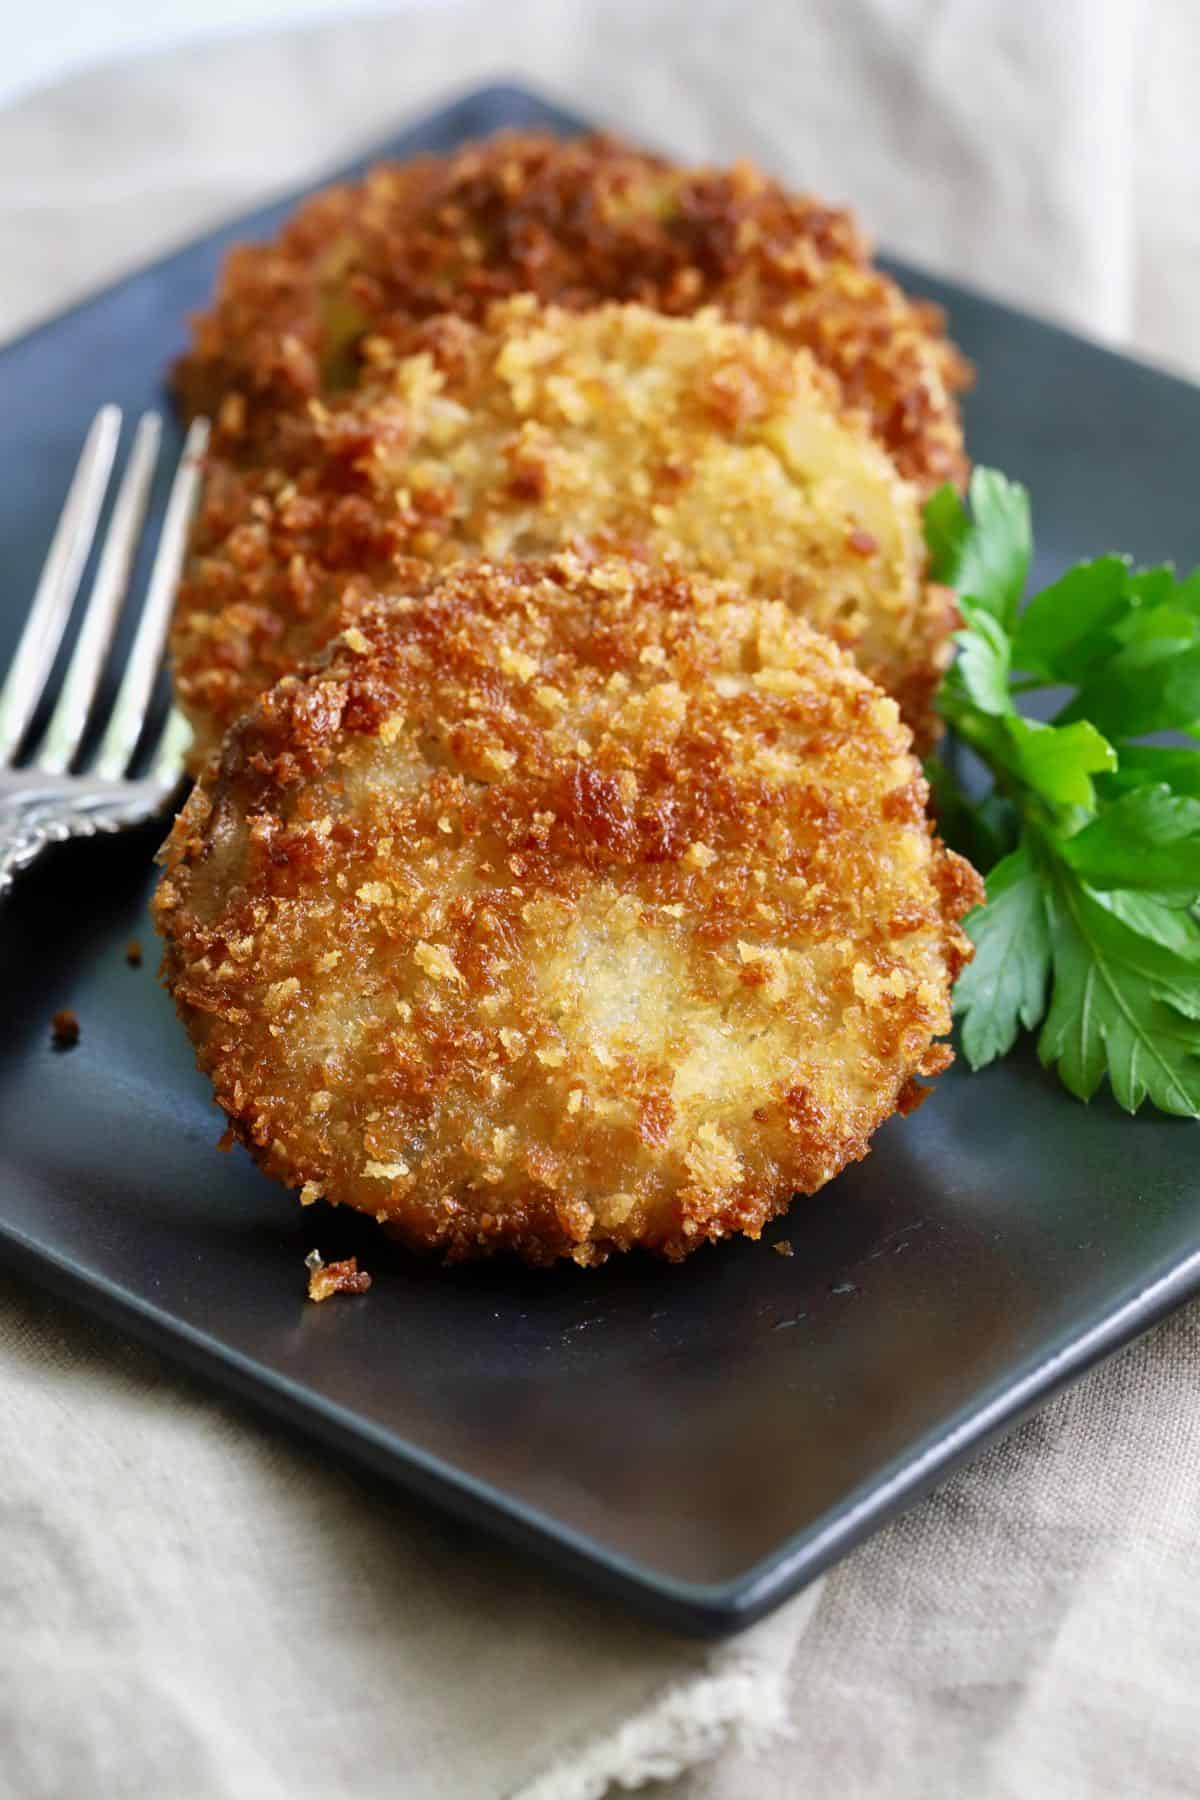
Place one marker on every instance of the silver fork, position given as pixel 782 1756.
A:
pixel 42 800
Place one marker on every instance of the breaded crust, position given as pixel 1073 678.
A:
pixel 575 223
pixel 691 441
pixel 565 907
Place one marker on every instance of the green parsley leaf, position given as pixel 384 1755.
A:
pixel 1169 926
pixel 1152 587
pixel 1150 623
pixel 946 528
pixel 984 664
pixel 1121 1006
pixel 1005 987
pixel 1066 629
pixel 1140 763
pixel 1148 686
pixel 1058 762
pixel 1148 839
pixel 1093 899
pixel 1159 586
pixel 985 558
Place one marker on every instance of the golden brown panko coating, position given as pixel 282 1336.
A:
pixel 692 441
pixel 575 223
pixel 565 907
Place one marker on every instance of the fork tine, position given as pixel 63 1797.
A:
pixel 129 709
pixel 70 716
pixel 58 582
pixel 166 763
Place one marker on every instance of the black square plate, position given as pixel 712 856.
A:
pixel 700 1440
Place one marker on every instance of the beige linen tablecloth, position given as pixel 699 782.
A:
pixel 193 1607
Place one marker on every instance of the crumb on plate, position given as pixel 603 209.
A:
pixel 64 1029
pixel 326 1279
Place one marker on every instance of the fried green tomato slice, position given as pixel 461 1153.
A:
pixel 563 908
pixel 691 441
pixel 575 223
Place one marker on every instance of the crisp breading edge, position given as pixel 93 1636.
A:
pixel 576 223
pixel 693 441
pixel 565 907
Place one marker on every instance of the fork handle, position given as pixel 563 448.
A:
pixel 25 829
pixel 36 812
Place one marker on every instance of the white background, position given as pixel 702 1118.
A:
pixel 43 39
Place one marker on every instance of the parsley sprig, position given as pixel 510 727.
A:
pixel 1089 837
